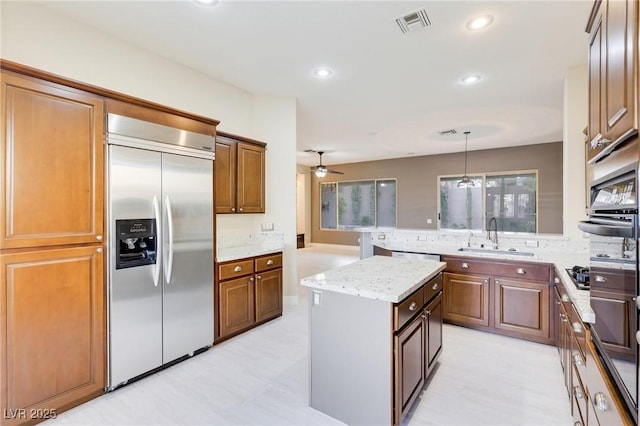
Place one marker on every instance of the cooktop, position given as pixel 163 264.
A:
pixel 580 276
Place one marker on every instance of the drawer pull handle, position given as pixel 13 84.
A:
pixel 99 249
pixel 259 277
pixel 413 306
pixel 638 337
pixel 99 237
pixel 240 209
pixel 269 262
pixel 237 269
pixel 577 360
pixel 601 401
pixel 520 271
pixel 577 327
pixel 465 265
pixel 556 280
pixel 251 279
pixel 577 392
pixel 600 279
pixel 435 286
pixel 427 312
pixel 565 298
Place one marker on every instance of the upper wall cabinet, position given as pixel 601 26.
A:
pixel 52 156
pixel 239 174
pixel 613 32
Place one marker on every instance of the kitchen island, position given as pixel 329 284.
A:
pixel 375 334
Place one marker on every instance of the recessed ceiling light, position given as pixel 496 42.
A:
pixel 479 22
pixel 323 72
pixel 207 2
pixel 470 79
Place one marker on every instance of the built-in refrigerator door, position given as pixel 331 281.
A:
pixel 135 293
pixel 187 196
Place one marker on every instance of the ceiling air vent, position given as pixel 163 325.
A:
pixel 417 20
pixel 447 132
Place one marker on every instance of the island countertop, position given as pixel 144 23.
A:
pixel 382 278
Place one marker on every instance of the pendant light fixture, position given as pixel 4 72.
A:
pixel 465 182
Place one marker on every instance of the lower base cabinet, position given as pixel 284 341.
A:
pixel 52 332
pixel 248 292
pixel 500 296
pixel 417 345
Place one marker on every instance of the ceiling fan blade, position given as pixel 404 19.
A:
pixel 335 172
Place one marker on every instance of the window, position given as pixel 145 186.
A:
pixel 347 205
pixel 509 197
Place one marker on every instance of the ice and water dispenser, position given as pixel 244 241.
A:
pixel 136 243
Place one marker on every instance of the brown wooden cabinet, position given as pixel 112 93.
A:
pixel 52 306
pixel 52 150
pixel 239 174
pixel 501 296
pixel 466 299
pixel 248 292
pixel 613 32
pixel 417 343
pixel 522 307
pixel 52 351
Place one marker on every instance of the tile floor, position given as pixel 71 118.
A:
pixel 261 378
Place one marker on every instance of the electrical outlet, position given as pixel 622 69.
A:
pixel 316 297
pixel 381 236
pixel 422 237
pixel 531 243
pixel 429 221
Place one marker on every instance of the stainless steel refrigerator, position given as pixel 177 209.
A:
pixel 160 210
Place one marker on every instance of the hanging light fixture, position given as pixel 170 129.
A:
pixel 465 182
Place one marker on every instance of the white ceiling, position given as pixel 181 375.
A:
pixel 391 92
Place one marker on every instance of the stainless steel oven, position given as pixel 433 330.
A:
pixel 613 235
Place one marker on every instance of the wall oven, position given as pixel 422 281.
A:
pixel 612 226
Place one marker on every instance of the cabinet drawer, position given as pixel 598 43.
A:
pixel 521 270
pixel 525 271
pixel 235 269
pixel 579 330
pixel 269 262
pixel 406 309
pixel 617 281
pixel 605 408
pixel 432 288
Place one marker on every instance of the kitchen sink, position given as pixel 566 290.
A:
pixel 510 252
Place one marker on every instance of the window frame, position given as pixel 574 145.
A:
pixel 337 183
pixel 484 175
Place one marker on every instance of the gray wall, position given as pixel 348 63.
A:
pixel 418 177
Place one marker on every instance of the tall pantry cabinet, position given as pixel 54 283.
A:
pixel 52 313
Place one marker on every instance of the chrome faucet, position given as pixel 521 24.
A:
pixel 495 232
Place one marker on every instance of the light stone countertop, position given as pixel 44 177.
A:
pixel 241 252
pixel 382 278
pixel 560 259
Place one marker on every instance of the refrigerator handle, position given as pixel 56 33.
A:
pixel 158 219
pixel 169 263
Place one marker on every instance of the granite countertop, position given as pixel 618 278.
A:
pixel 560 259
pixel 382 278
pixel 250 250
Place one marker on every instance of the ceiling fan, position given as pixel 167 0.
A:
pixel 320 170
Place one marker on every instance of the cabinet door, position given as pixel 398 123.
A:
pixel 615 324
pixel 596 51
pixel 409 365
pixel 236 311
pixel 52 342
pixel 522 307
pixel 466 299
pixel 251 178
pixel 52 153
pixel 268 295
pixel 618 91
pixel 225 176
pixel 433 313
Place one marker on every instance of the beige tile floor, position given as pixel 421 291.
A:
pixel 261 378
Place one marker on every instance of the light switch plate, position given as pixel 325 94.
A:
pixel 316 297
pixel 531 243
